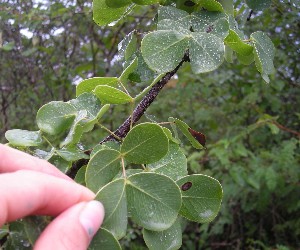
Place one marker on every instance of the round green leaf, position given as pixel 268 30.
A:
pixel 102 168
pixel 206 52
pixel 170 239
pixel 215 23
pixel 55 117
pixel 153 200
pixel 201 197
pixel 24 138
pixel 171 18
pixel 90 84
pixel 88 102
pixel 104 240
pixel 112 95
pixel 113 198
pixel 163 50
pixel 145 143
pixel 103 14
pixel 264 52
pixel 173 164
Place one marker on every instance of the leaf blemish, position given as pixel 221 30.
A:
pixel 186 186
pixel 209 28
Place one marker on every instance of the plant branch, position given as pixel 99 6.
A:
pixel 144 103
pixel 138 112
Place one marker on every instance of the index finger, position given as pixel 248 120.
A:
pixel 12 160
pixel 32 193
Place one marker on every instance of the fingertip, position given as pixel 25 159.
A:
pixel 91 217
pixel 73 229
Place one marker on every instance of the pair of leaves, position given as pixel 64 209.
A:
pixel 147 203
pixel 164 49
pixel 144 144
pixel 154 202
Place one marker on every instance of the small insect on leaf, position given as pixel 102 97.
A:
pixel 186 186
pixel 198 136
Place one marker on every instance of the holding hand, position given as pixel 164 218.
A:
pixel 31 186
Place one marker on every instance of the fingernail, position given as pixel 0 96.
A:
pixel 91 217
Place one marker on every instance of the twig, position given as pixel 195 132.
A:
pixel 145 103
pixel 132 119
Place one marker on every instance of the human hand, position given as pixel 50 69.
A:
pixel 31 186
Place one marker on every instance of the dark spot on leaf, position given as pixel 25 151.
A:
pixel 209 28
pixel 189 3
pixel 198 136
pixel 186 186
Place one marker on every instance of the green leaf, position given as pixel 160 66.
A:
pixel 228 54
pixel 227 6
pixel 80 176
pixel 117 3
pixel 170 136
pixel 71 154
pixel 103 14
pixel 60 163
pixel 173 165
pixel 128 46
pixel 145 143
pixel 235 43
pixel 215 23
pixel 257 5
pixel 164 49
pixel 33 226
pixel 170 239
pixel 76 130
pixel 145 2
pixel 246 60
pixel 210 5
pixel 102 168
pixel 90 84
pixel 264 52
pixel 143 73
pixel 24 138
pixel 113 198
pixel 88 102
pixel 112 95
pixel 171 18
pixel 153 200
pixel 201 197
pixel 55 117
pixel 184 129
pixel 130 69
pixel 104 240
pixel 206 52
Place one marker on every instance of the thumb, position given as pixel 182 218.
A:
pixel 72 229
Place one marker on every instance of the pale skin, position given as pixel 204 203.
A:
pixel 31 186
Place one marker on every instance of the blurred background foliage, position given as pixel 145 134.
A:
pixel 252 129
